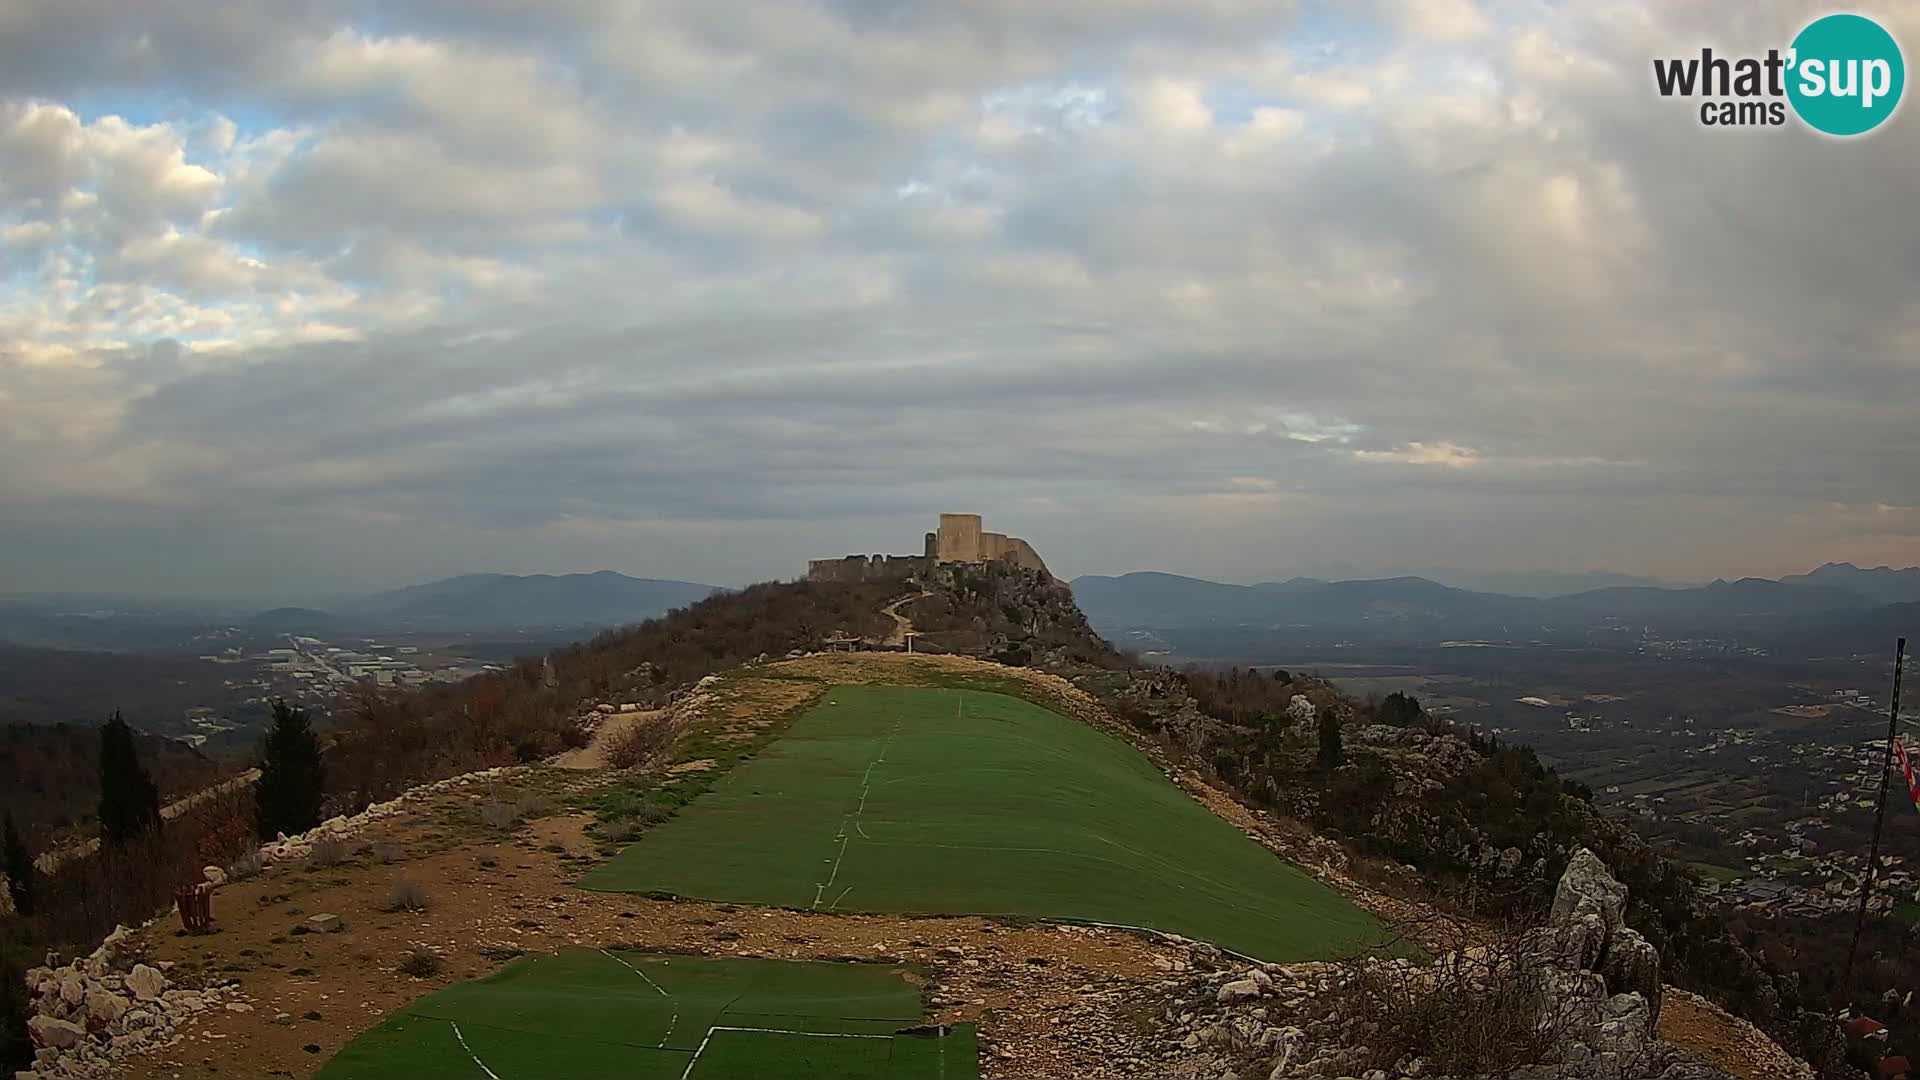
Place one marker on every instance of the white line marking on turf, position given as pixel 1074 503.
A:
pixel 866 784
pixel 695 1059
pixel 769 1031
pixel 808 1034
pixel 476 1057
pixel 823 886
pixel 671 1024
pixel 842 896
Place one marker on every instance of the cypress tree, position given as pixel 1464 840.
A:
pixel 19 868
pixel 293 777
pixel 1332 753
pixel 129 801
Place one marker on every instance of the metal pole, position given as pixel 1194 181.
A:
pixel 1879 818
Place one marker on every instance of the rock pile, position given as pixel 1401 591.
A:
pixel 88 1015
pixel 339 828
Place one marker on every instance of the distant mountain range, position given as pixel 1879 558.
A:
pixel 504 600
pixel 1888 586
pixel 1544 583
pixel 469 604
pixel 1835 605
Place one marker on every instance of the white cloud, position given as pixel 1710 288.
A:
pixel 1445 454
pixel 1174 107
pixel 704 204
pixel 1442 20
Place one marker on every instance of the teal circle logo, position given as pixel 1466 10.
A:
pixel 1846 75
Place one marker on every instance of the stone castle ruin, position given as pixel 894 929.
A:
pixel 959 539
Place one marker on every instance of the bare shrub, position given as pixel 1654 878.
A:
pixel 389 854
pixel 638 744
pixel 1458 1025
pixel 421 964
pixel 326 852
pixel 498 815
pixel 1485 1010
pixel 244 867
pixel 406 894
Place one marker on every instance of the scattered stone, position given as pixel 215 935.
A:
pixel 83 1016
pixel 145 982
pixel 325 923
pixel 1237 991
pixel 56 1034
pixel 105 1006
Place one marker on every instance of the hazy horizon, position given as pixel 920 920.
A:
pixel 1457 577
pixel 322 300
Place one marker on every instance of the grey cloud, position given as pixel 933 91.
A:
pixel 1607 312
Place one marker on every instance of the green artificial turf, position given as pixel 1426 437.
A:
pixel 618 1015
pixel 948 801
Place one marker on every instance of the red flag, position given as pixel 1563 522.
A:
pixel 1906 767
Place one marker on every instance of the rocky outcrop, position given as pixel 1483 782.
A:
pixel 1587 931
pixel 88 1016
pixel 1584 978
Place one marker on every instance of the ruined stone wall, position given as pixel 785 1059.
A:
pixel 961 539
pixel 857 568
pixel 1020 553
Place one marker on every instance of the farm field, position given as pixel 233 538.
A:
pixel 621 1015
pixel 947 801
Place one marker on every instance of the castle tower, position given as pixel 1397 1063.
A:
pixel 959 538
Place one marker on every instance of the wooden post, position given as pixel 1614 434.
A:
pixel 195 902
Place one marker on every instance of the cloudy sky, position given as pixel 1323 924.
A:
pixel 325 294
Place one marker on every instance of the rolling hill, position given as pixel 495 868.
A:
pixel 1881 584
pixel 1818 611
pixel 1168 601
pixel 506 600
pixel 1721 599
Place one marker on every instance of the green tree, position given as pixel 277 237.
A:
pixel 293 775
pixel 19 867
pixel 1332 753
pixel 129 801
pixel 1400 709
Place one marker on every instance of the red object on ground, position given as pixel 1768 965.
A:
pixel 1865 1027
pixel 1891 1068
pixel 196 907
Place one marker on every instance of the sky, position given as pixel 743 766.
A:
pixel 326 295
